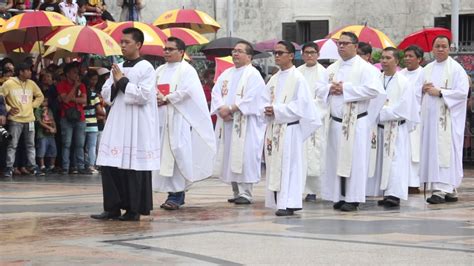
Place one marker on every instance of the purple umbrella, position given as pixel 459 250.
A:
pixel 268 45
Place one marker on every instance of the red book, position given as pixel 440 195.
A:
pixel 163 89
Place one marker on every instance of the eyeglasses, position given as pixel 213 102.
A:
pixel 279 53
pixel 169 49
pixel 344 43
pixel 310 53
pixel 235 51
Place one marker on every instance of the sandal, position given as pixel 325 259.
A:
pixel 170 206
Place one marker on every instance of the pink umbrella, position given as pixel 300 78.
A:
pixel 327 49
pixel 269 45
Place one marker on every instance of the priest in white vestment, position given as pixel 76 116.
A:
pixel 315 146
pixel 413 58
pixel 392 159
pixel 292 118
pixel 188 144
pixel 240 129
pixel 352 85
pixel 444 84
pixel 128 149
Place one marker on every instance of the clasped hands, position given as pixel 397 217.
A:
pixel 335 88
pixel 226 112
pixel 431 89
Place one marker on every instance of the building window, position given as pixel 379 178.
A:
pixel 466 29
pixel 303 31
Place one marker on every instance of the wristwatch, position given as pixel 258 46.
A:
pixel 440 94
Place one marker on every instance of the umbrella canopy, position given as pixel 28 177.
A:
pixel 85 39
pixel 154 37
pixel 188 36
pixel 2 22
pixel 55 53
pixel 222 63
pixel 366 34
pixel 221 47
pixel 187 18
pixel 104 25
pixel 424 38
pixel 327 49
pixel 30 27
pixel 269 45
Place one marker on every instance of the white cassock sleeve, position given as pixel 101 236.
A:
pixel 107 90
pixel 190 83
pixel 406 108
pixel 296 108
pixel 365 91
pixel 216 99
pixel 322 88
pixel 251 103
pixel 139 93
pixel 457 95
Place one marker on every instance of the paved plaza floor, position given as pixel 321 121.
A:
pixel 45 220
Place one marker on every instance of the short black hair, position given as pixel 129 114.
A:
pixel 441 37
pixel 395 52
pixel 416 50
pixel 137 35
pixel 22 67
pixel 350 34
pixel 365 48
pixel 249 48
pixel 179 43
pixel 70 66
pixel 288 45
pixel 312 45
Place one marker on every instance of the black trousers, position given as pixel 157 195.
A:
pixel 128 190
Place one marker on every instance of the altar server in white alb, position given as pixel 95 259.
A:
pixel 393 140
pixel 128 150
pixel 236 99
pixel 315 146
pixel 292 118
pixel 413 58
pixel 188 145
pixel 445 87
pixel 352 85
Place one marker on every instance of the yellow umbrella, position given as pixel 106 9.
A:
pixel 154 37
pixel 366 34
pixel 188 18
pixel 85 39
pixel 189 37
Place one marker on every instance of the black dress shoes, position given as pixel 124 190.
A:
pixel 338 205
pixel 381 202
pixel 231 200
pixel 450 198
pixel 130 216
pixel 242 201
pixel 435 199
pixel 391 201
pixel 349 207
pixel 282 212
pixel 106 215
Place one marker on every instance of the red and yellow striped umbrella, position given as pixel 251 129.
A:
pixel 222 63
pixel 188 36
pixel 30 27
pixel 154 38
pixel 187 18
pixel 2 22
pixel 85 39
pixel 366 34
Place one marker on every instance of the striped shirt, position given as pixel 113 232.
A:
pixel 89 110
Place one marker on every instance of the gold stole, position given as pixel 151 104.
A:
pixel 275 133
pixel 167 156
pixel 239 127
pixel 444 122
pixel 349 120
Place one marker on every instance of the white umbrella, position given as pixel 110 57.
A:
pixel 327 49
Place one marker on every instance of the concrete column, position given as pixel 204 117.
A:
pixel 455 23
pixel 230 17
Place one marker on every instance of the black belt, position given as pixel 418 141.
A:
pixel 401 122
pixel 293 123
pixel 337 119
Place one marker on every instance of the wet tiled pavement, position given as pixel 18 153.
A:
pixel 45 220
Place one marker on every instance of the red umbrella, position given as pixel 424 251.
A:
pixel 222 63
pixel 424 38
